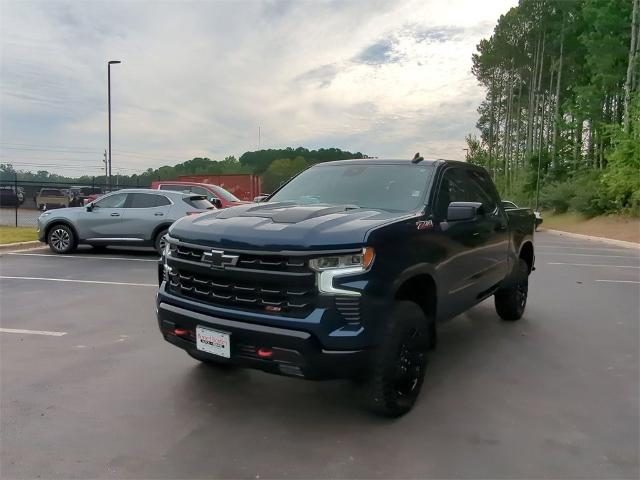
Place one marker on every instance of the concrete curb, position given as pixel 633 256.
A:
pixel 611 241
pixel 7 247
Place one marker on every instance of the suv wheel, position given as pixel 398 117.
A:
pixel 399 364
pixel 61 239
pixel 160 241
pixel 511 301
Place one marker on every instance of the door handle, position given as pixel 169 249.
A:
pixel 501 227
pixel 114 214
pixel 159 214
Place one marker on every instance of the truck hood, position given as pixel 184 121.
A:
pixel 283 226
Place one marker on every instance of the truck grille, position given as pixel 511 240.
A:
pixel 269 283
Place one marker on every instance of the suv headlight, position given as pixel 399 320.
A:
pixel 329 267
pixel 45 214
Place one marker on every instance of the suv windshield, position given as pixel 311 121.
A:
pixel 386 187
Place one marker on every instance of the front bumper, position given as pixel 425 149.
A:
pixel 41 231
pixel 295 352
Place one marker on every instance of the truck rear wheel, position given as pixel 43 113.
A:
pixel 399 363
pixel 511 301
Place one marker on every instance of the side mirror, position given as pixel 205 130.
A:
pixel 90 207
pixel 260 198
pixel 216 202
pixel 459 211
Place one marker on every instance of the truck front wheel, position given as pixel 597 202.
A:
pixel 510 301
pixel 398 365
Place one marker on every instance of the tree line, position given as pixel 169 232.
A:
pixel 562 107
pixel 274 165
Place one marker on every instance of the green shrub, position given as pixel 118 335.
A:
pixel 557 196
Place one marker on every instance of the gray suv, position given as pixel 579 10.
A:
pixel 133 217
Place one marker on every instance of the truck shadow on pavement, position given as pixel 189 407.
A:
pixel 270 419
pixel 469 348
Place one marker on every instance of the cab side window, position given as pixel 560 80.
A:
pixel 452 189
pixel 465 185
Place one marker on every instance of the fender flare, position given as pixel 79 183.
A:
pixel 59 221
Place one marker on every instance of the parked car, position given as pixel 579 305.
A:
pixel 11 196
pixel 134 217
pixel 244 186
pixel 93 197
pixel 80 194
pixel 509 205
pixel 216 195
pixel 345 271
pixel 49 198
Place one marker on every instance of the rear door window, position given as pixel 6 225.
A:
pixel 146 200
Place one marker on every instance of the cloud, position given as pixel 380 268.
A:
pixel 438 34
pixel 321 76
pixel 198 78
pixel 379 53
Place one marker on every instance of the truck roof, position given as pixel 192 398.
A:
pixel 393 161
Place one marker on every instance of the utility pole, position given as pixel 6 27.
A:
pixel 106 166
pixel 259 134
pixel 109 63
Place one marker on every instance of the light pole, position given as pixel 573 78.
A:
pixel 111 62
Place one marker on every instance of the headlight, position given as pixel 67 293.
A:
pixel 329 267
pixel 363 260
pixel 45 214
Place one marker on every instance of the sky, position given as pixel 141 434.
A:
pixel 200 78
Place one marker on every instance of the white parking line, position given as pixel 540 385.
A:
pixel 619 281
pixel 590 255
pixel 84 256
pixel 592 265
pixel 81 281
pixel 605 249
pixel 32 332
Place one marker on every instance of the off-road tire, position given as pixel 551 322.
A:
pixel 511 301
pixel 398 365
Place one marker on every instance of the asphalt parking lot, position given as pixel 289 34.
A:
pixel 97 393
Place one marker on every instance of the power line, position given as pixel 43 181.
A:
pixel 65 149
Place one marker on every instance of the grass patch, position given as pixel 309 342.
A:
pixel 17 234
pixel 618 227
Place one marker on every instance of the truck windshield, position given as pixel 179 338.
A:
pixel 397 188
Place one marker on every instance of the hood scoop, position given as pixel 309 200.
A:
pixel 288 212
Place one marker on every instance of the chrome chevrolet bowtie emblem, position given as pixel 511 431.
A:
pixel 219 259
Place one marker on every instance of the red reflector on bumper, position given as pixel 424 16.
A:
pixel 181 331
pixel 265 352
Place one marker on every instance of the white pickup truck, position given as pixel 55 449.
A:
pixel 49 198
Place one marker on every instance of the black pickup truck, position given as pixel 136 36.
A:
pixel 345 271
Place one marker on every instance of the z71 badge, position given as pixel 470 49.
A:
pixel 424 224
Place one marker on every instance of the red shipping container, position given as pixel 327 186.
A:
pixel 244 186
